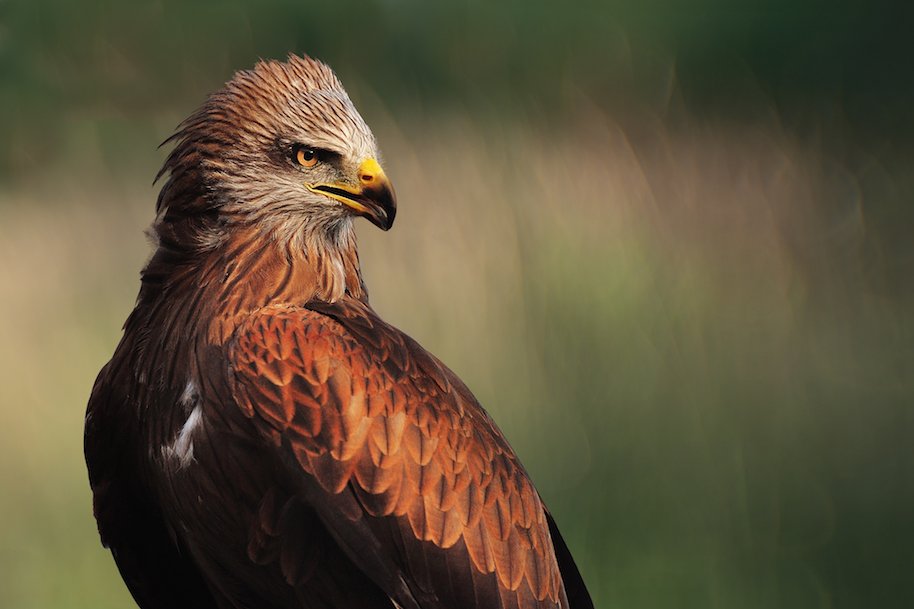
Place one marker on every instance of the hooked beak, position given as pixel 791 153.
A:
pixel 373 198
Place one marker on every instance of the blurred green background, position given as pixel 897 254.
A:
pixel 669 246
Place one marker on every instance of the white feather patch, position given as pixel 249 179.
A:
pixel 182 449
pixel 189 397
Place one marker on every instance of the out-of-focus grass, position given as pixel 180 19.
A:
pixel 692 337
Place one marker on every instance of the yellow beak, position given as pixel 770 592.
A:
pixel 373 198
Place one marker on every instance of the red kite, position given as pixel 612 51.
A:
pixel 261 438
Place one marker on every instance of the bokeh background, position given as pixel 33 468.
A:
pixel 669 246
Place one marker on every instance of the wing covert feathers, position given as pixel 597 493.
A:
pixel 368 414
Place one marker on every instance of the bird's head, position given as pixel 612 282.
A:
pixel 282 148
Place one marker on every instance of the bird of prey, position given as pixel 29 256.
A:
pixel 261 438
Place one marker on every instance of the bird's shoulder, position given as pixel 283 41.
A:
pixel 277 339
pixel 342 354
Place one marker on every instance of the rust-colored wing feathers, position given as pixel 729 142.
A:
pixel 397 444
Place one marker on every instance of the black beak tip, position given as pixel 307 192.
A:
pixel 389 216
pixel 382 218
pixel 384 208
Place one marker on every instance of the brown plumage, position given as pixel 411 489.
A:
pixel 261 438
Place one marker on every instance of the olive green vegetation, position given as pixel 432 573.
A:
pixel 669 249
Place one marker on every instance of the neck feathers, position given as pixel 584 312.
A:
pixel 222 282
pixel 256 272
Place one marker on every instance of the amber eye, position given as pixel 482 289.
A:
pixel 306 157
